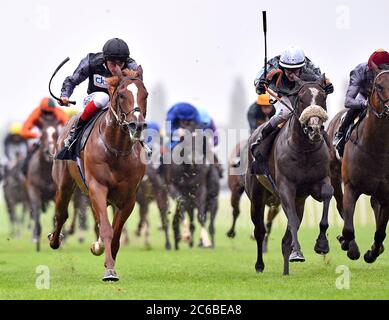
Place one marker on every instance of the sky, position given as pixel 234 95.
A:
pixel 206 52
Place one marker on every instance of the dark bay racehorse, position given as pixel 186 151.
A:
pixel 113 164
pixel 236 186
pixel 39 183
pixel 365 169
pixel 188 182
pixel 299 163
pixel 15 193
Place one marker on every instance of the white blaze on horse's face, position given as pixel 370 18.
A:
pixel 314 92
pixel 134 90
pixel 50 131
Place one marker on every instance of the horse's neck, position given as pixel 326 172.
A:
pixel 374 133
pixel 113 134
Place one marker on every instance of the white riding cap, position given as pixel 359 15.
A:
pixel 292 58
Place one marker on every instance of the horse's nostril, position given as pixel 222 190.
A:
pixel 132 126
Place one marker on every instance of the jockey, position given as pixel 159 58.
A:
pixel 15 146
pixel 208 123
pixel 96 67
pixel 181 116
pixel 291 63
pixel 46 109
pixel 260 111
pixel 361 80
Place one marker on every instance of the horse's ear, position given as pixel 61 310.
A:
pixel 375 68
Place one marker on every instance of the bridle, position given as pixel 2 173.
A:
pixel 384 105
pixel 121 115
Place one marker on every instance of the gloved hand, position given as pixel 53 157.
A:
pixel 260 88
pixel 329 88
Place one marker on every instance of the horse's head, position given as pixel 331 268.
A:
pixel 128 97
pixel 379 98
pixel 312 108
pixel 49 128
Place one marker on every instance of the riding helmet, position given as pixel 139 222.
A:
pixel 293 57
pixel 379 57
pixel 116 49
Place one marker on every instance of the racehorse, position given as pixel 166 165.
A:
pixel 364 168
pixel 299 163
pixel 39 183
pixel 236 185
pixel 15 193
pixel 113 166
pixel 187 182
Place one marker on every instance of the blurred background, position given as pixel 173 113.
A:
pixel 200 51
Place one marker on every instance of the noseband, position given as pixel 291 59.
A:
pixel 383 103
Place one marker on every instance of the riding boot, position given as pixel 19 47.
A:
pixel 76 129
pixel 339 138
pixel 67 152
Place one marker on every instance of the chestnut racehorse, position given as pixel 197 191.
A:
pixel 112 159
pixel 365 168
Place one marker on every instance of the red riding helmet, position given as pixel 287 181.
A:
pixel 379 57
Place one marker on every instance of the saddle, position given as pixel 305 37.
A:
pixel 74 151
pixel 354 125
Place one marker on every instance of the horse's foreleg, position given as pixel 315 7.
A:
pixel 98 197
pixel 326 192
pixel 381 222
pixel 120 217
pixel 35 204
pixel 163 205
pixel 336 182
pixel 257 210
pixel 273 211
pixel 348 242
pixel 236 194
pixel 176 224
pixel 213 204
pixel 288 196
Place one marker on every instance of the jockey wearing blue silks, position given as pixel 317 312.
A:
pixel 181 115
pixel 208 123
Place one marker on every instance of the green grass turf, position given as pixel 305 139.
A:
pixel 226 272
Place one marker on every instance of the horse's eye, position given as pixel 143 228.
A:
pixel 379 87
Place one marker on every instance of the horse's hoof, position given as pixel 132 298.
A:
pixel 296 256
pixel 110 275
pixel 97 248
pixel 168 246
pixel 231 234
pixel 53 243
pixel 344 245
pixel 368 257
pixel 353 251
pixel 259 267
pixel 321 246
